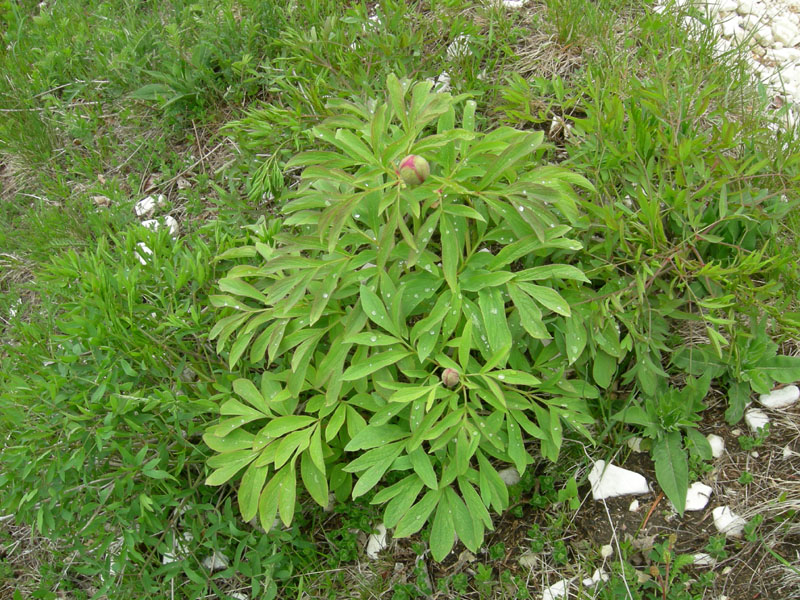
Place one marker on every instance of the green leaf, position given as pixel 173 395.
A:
pixel 575 338
pixel 282 425
pixel 422 467
pixel 370 478
pixel 604 367
pixel 460 210
pixel 373 363
pixel 476 506
pixel 529 314
pixel 417 515
pixel 547 297
pixel 548 271
pixel 372 338
pixel 451 250
pixel 314 480
pixel 672 468
pixel 373 436
pixel 516 446
pixel 268 503
pixel 443 532
pixel 241 288
pixel 402 502
pixel 493 490
pixel 494 317
pixel 250 490
pixel 234 462
pixel 700 443
pixel 738 397
pixel 376 312
pixel 287 494
pixel 783 369
pixel 247 390
pixel 513 154
pixel 467 526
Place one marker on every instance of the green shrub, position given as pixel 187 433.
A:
pixel 370 290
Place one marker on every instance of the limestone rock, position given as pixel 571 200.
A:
pixel 609 481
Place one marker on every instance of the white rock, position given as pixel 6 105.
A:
pixel 788 452
pixel 512 3
pixel 147 206
pixel 717 445
pixel 697 496
pixel 442 83
pixel 598 576
pixel 155 225
pixel 376 542
pixel 724 6
pixel 216 562
pixel 635 444
pixel 510 476
pixel 145 252
pixel 701 559
pixel 781 398
pixel 763 35
pixel 744 7
pixel 528 560
pixel 634 506
pixel 458 48
pixel 783 33
pixel 728 522
pixel 606 550
pixel 755 419
pixel 557 590
pixel 729 27
pixel 611 481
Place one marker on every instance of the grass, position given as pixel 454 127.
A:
pixel 108 379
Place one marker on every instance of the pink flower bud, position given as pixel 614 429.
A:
pixel 414 170
pixel 450 378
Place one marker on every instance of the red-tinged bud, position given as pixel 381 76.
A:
pixel 450 378
pixel 414 170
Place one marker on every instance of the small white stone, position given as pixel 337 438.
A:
pixel 782 33
pixel 155 225
pixel 458 48
pixel 763 35
pixel 634 506
pixel 376 542
pixel 145 251
pixel 216 562
pixel 146 206
pixel 611 481
pixel 717 445
pixel 744 7
pixel 697 496
pixel 635 444
pixel 528 560
pixel 728 522
pixel 754 454
pixel 557 590
pixel 442 83
pixel 510 476
pixel 788 452
pixel 729 27
pixel 238 596
pixel 701 559
pixel 781 398
pixel 513 3
pixel 755 419
pixel 598 576
pixel 606 550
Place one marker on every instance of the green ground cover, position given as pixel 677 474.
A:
pixel 282 355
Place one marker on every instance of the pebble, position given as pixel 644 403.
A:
pixel 598 576
pixel 728 522
pixel 765 28
pixel 634 506
pixel 717 445
pixel 701 559
pixel 147 206
pixel 557 590
pixel 155 225
pixel 611 481
pixel 376 542
pixel 756 419
pixel 216 562
pixel 780 398
pixel 697 496
pixel 145 251
pixel 510 476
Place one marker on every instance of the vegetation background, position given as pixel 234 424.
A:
pixel 675 199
